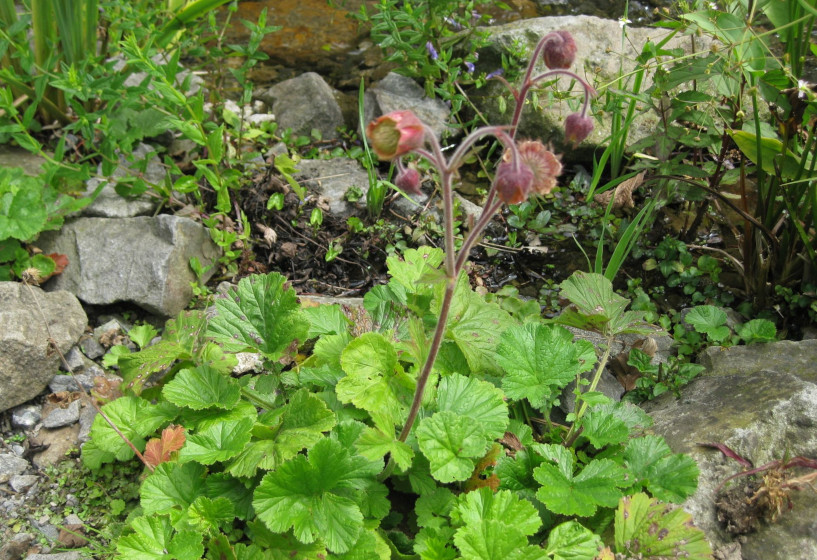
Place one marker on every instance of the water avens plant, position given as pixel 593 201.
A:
pixel 527 167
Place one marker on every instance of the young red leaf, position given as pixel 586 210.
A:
pixel 158 450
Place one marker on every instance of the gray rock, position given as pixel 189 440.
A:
pixel 763 415
pixel 330 179
pixel 11 465
pixel 86 421
pixel 398 93
pixel 110 328
pixel 109 204
pixel 73 359
pixel 26 416
pixel 22 482
pixel 91 348
pixel 72 519
pixel 143 260
pixel 17 157
pixel 599 53
pixel 26 360
pixel 69 382
pixel 60 417
pixel 304 103
pixel 16 546
pixel 18 449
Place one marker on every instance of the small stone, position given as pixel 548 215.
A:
pixel 16 547
pixel 92 348
pixel 106 332
pixel 11 465
pixel 26 416
pixel 86 420
pixel 18 450
pixel 73 501
pixel 73 555
pixel 49 531
pixel 69 382
pixel 62 416
pixel 22 482
pixel 73 359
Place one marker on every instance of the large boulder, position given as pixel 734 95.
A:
pixel 27 363
pixel 761 401
pixel 142 260
pixel 304 103
pixel 601 55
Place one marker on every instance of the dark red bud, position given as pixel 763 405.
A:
pixel 559 50
pixel 513 185
pixel 408 180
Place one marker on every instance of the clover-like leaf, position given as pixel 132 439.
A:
pixel 307 494
pixel 202 387
pixel 539 361
pixel 451 443
pixel 261 315
pixel 595 485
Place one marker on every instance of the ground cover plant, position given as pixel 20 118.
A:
pixel 415 431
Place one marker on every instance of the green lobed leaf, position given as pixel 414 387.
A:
pixel 652 464
pixel 474 325
pixel 412 270
pixel 304 494
pixel 649 529
pixel 503 506
pixel 210 514
pixel 433 508
pixel 435 543
pixel 218 442
pixel 374 381
pixel 489 540
pixel 369 546
pixel 135 418
pixel 284 546
pixel 451 443
pixel 603 429
pixel 758 330
pixel 154 538
pixel 326 319
pixel 202 387
pixel 539 361
pixel 22 210
pixel 222 485
pixel 374 444
pixel 478 400
pixel 709 320
pixel 172 486
pixel 595 485
pixel 261 315
pixel 572 541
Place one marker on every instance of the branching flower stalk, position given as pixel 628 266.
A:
pixel 527 167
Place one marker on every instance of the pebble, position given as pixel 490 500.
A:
pixel 48 529
pixel 62 416
pixel 72 501
pixel 73 555
pixel 11 465
pixel 22 482
pixel 68 383
pixel 18 449
pixel 74 360
pixel 86 420
pixel 92 348
pixel 26 416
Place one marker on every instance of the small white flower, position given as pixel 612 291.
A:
pixel 623 21
pixel 713 6
pixel 802 89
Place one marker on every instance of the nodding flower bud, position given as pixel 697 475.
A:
pixel 408 180
pixel 559 50
pixel 577 128
pixel 513 182
pixel 544 164
pixel 395 134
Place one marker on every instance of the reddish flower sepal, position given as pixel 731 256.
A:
pixel 559 50
pixel 395 134
pixel 577 128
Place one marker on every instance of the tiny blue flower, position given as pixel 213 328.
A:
pixel 495 74
pixel 469 66
pixel 431 51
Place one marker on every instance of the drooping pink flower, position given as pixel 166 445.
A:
pixel 559 50
pixel 395 134
pixel 577 128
